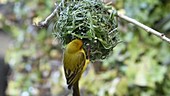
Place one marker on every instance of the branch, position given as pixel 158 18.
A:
pixel 44 23
pixel 146 28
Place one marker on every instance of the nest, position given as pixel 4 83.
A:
pixel 90 21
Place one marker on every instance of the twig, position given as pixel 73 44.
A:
pixel 44 23
pixel 148 29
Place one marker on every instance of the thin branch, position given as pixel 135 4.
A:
pixel 45 22
pixel 146 28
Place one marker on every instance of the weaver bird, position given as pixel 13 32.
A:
pixel 75 63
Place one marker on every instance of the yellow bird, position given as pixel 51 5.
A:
pixel 75 63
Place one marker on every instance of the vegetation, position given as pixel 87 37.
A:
pixel 139 66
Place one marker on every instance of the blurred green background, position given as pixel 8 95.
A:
pixel 139 66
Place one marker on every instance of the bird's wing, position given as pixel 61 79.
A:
pixel 73 76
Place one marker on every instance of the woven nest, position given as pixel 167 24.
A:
pixel 90 21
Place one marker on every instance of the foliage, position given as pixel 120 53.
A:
pixel 139 66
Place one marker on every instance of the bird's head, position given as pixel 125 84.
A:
pixel 74 45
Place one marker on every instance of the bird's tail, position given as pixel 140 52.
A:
pixel 76 91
